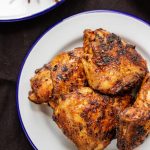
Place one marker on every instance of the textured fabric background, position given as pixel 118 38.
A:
pixel 15 41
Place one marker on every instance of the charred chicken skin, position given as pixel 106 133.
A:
pixel 134 124
pixel 67 73
pixel 41 85
pixel 111 65
pixel 89 119
pixel 61 75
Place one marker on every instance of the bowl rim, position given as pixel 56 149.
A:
pixel 33 15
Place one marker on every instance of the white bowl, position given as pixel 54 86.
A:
pixel 36 120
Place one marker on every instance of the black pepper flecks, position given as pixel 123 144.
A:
pixel 130 46
pixel 104 60
pixel 103 47
pixel 122 52
pixel 112 37
pixel 106 99
pixel 55 68
pixel 64 68
pixel 99 38
pixel 60 77
pixel 134 58
pixel 107 59
pixel 119 42
pixel 93 102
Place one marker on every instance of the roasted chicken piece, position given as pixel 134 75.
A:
pixel 61 75
pixel 111 65
pixel 143 98
pixel 89 119
pixel 67 73
pixel 41 85
pixel 134 124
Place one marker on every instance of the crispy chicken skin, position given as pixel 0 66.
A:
pixel 61 75
pixel 111 65
pixel 67 73
pixel 143 99
pixel 41 85
pixel 88 118
pixel 134 122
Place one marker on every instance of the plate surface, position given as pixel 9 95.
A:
pixel 17 10
pixel 36 120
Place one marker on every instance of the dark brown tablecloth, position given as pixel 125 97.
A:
pixel 15 41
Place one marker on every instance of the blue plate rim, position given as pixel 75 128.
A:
pixel 40 37
pixel 34 15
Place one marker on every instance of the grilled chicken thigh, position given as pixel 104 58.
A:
pixel 41 85
pixel 89 119
pixel 143 98
pixel 134 124
pixel 67 73
pixel 111 65
pixel 61 75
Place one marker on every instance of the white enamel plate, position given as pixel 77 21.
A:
pixel 36 120
pixel 17 10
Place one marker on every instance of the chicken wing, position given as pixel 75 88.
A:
pixel 134 124
pixel 61 75
pixel 111 65
pixel 88 118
